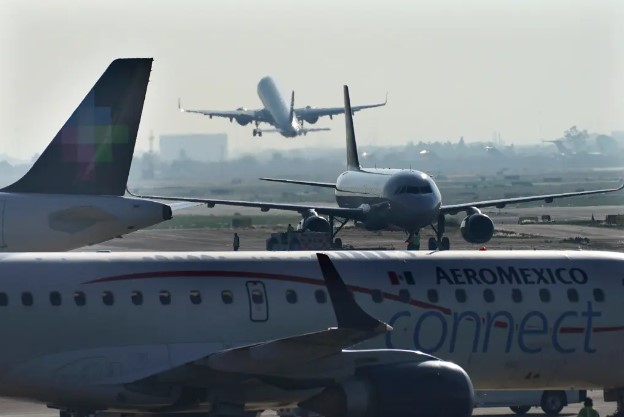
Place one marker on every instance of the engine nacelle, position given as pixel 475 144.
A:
pixel 432 388
pixel 310 119
pixel 376 216
pixel 477 228
pixel 315 223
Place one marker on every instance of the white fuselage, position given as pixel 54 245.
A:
pixel 413 195
pixel 567 330
pixel 50 222
pixel 275 104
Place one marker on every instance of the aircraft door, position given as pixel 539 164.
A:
pixel 258 306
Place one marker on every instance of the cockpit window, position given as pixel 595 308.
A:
pixel 414 189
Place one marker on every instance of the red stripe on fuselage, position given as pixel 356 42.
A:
pixel 260 275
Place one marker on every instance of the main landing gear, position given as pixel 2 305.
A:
pixel 440 242
pixel 257 132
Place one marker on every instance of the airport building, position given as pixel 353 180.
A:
pixel 201 147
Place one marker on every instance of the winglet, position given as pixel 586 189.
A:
pixel 353 162
pixel 348 313
pixel 180 106
pixel 292 106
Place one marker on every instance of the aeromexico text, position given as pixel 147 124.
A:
pixel 510 275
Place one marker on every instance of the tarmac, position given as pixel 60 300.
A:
pixel 12 408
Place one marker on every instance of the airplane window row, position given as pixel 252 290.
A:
pixel 414 189
pixel 257 296
pixel 516 295
pixel 108 298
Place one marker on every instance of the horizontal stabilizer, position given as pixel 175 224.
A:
pixel 301 182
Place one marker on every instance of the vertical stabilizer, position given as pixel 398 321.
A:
pixel 292 107
pixel 92 152
pixel 353 163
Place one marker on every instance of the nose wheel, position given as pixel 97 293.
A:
pixel 257 132
pixel 440 242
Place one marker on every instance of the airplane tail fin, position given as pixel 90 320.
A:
pixel 92 152
pixel 353 162
pixel 292 106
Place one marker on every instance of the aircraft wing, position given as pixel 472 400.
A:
pixel 259 115
pixel 342 212
pixel 548 198
pixel 311 112
pixel 301 182
pixel 354 326
pixel 287 355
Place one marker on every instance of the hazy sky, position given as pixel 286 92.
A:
pixel 528 69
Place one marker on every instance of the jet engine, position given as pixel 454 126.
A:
pixel 477 228
pixel 312 222
pixel 242 120
pixel 433 388
pixel 309 118
pixel 376 216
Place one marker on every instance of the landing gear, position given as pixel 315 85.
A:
pixel 440 242
pixel 257 132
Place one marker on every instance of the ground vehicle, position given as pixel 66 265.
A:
pixel 301 240
pixel 551 402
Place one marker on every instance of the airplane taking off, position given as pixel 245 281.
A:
pixel 73 194
pixel 288 121
pixel 224 333
pixel 382 198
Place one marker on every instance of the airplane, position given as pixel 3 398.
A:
pixel 73 194
pixel 288 121
pixel 344 334
pixel 386 198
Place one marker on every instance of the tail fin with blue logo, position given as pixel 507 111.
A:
pixel 92 152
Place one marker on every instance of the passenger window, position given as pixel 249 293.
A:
pixel 257 297
pixel 195 297
pixel 432 296
pixel 291 296
pixel 4 299
pixel 516 295
pixel 404 295
pixel 165 298
pixel 320 296
pixel 137 298
pixel 80 298
pixel 108 298
pixel 55 298
pixel 460 295
pixel 488 295
pixel 27 299
pixel 227 297
pixel 573 295
pixel 599 295
pixel 544 295
pixel 377 296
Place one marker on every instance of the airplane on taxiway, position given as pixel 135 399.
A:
pixel 287 121
pixel 73 194
pixel 381 198
pixel 349 334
